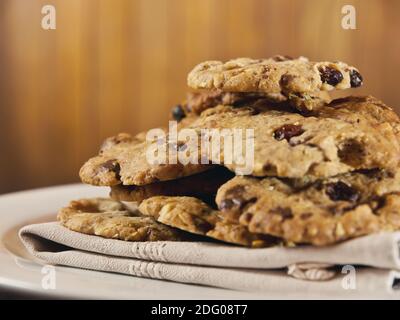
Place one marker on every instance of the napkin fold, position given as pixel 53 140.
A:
pixel 370 262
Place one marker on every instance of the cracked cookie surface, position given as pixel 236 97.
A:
pixel 194 216
pixel 317 212
pixel 109 219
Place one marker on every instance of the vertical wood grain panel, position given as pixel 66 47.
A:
pixel 120 65
pixel 88 127
pixel 7 127
pixel 177 64
pixel 62 135
pixel 111 67
pixel 198 36
pixel 240 17
pixel 153 61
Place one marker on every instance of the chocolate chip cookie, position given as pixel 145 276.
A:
pixel 202 185
pixel 193 215
pixel 297 79
pixel 348 134
pixel 319 212
pixel 109 219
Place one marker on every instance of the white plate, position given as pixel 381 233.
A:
pixel 20 272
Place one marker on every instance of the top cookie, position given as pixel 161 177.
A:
pixel 276 75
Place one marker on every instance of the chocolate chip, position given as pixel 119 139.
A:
pixel 178 113
pixel 352 152
pixel 235 191
pixel 226 204
pixel 247 202
pixel 380 203
pixel 330 75
pixel 111 165
pixel 235 200
pixel 202 225
pixel 375 173
pixel 236 203
pixel 356 79
pixel 288 131
pixel 270 169
pixel 339 191
pixel 285 80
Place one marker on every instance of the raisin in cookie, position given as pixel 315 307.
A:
pixel 346 135
pixel 318 212
pixel 109 219
pixel 193 215
pixel 297 79
pixel 202 185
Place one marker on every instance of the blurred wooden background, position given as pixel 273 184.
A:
pixel 119 65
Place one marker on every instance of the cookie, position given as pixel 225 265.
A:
pixel 348 134
pixel 294 78
pixel 202 185
pixel 319 212
pixel 193 215
pixel 109 219
pixel 197 102
pixel 122 160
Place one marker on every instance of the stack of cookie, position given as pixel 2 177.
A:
pixel 323 171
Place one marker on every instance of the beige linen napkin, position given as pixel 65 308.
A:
pixel 227 266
